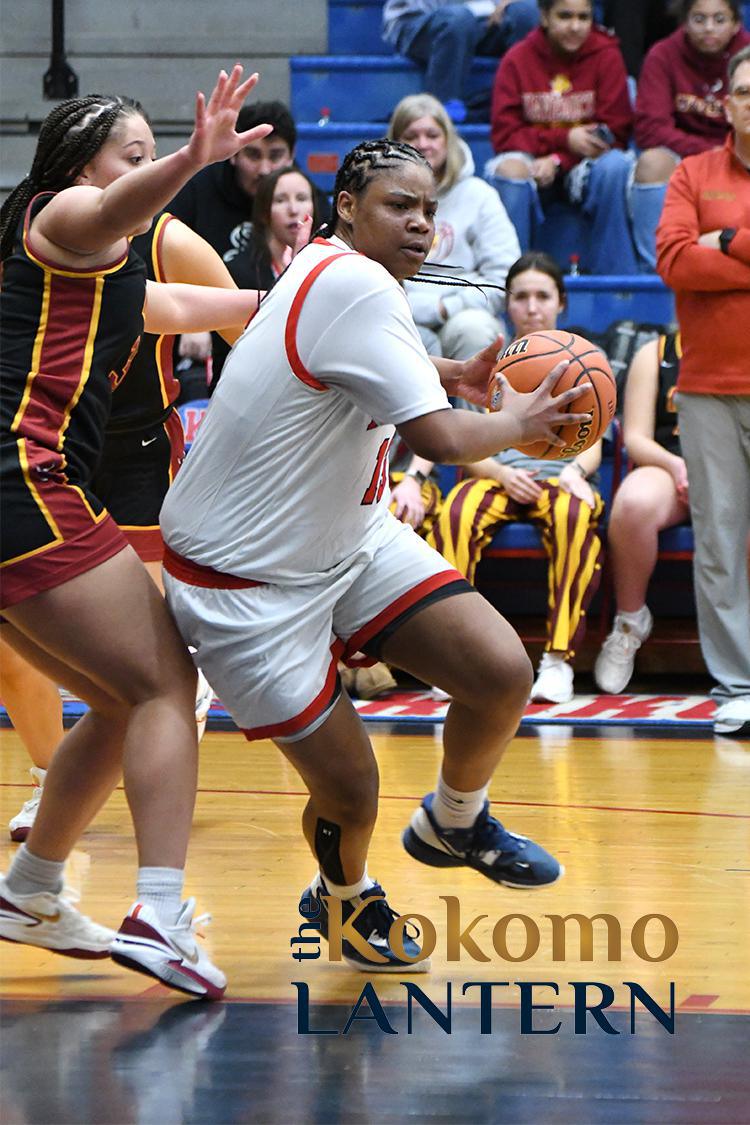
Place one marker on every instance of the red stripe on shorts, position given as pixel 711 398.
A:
pixel 193 574
pixel 311 712
pixel 395 609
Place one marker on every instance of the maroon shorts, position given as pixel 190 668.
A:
pixel 52 530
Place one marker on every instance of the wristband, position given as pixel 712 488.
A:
pixel 579 468
pixel 419 477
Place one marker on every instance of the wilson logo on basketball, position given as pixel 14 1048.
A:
pixel 518 347
pixel 584 430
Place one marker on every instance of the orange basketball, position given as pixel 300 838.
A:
pixel 526 361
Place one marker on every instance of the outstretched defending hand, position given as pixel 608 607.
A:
pixel 214 137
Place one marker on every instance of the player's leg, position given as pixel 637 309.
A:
pixel 645 503
pixel 112 627
pixel 32 889
pixel 465 646
pixel 462 644
pixel 338 767
pixel 35 709
pixel 135 472
pixel 412 609
pixel 33 704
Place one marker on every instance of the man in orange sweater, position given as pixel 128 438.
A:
pixel 703 251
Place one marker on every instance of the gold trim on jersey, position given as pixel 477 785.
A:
pixel 50 519
pixel 36 353
pixel 60 271
pixel 159 276
pixel 88 355
pixel 95 518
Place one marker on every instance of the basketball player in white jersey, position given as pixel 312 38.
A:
pixel 272 585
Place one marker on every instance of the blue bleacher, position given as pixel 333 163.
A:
pixel 357 24
pixel 362 87
pixel 321 148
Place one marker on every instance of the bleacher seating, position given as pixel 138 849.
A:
pixel 346 97
pixel 356 22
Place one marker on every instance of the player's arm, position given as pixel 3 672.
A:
pixel 174 308
pixel 90 222
pixel 456 437
pixel 189 258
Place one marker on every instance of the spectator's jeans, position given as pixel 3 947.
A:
pixel 445 42
pixel 599 188
pixel 646 202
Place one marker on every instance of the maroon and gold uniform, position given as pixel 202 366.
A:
pixel 144 442
pixel 666 427
pixel 474 510
pixel 67 337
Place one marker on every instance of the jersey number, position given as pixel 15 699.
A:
pixel 376 487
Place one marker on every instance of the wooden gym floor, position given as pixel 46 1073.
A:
pixel 644 825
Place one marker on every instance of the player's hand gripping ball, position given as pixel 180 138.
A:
pixel 526 361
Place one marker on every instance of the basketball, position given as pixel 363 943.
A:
pixel 526 361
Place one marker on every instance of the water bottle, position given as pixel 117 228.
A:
pixel 574 268
pixel 325 117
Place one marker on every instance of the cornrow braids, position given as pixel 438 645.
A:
pixel 437 278
pixel 71 135
pixel 362 164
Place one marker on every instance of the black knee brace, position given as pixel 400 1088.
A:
pixel 327 845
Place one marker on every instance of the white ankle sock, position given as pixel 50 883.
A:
pixel 354 889
pixel 161 889
pixel 30 875
pixel 453 809
pixel 636 619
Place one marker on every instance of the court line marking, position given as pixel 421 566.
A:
pixel 417 799
pixel 523 804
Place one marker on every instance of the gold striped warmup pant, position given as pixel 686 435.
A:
pixel 473 511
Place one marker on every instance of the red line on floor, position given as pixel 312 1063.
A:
pixel 521 804
pixel 697 1001
pixel 417 799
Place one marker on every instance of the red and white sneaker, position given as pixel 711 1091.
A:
pixel 169 953
pixel 51 922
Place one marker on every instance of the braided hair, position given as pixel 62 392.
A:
pixel 362 164
pixel 359 168
pixel 70 136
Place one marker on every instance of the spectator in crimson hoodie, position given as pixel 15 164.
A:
pixel 680 107
pixel 561 120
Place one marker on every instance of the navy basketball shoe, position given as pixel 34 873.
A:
pixel 486 846
pixel 373 923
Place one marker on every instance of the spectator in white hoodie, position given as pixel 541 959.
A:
pixel 473 235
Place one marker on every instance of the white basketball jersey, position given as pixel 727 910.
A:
pixel 287 480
